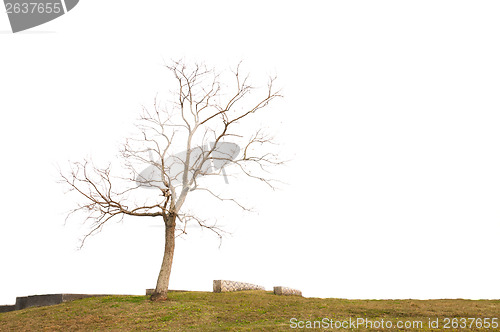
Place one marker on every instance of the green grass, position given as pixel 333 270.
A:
pixel 239 311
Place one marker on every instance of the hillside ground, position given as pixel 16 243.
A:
pixel 253 311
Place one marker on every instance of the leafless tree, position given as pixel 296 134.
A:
pixel 204 119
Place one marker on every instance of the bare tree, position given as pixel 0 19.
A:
pixel 204 119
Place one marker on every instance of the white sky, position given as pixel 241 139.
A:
pixel 391 115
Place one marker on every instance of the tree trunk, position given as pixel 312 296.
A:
pixel 161 290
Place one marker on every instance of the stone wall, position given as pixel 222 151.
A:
pixel 23 302
pixel 280 290
pixel 233 286
pixel 7 308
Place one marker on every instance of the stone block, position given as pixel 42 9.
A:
pixel 233 286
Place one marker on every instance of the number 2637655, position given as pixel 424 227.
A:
pixel 33 7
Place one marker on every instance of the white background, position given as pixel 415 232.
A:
pixel 391 116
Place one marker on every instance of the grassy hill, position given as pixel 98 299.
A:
pixel 240 311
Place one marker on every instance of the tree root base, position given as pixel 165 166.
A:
pixel 158 297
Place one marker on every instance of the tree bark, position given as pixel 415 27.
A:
pixel 161 290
